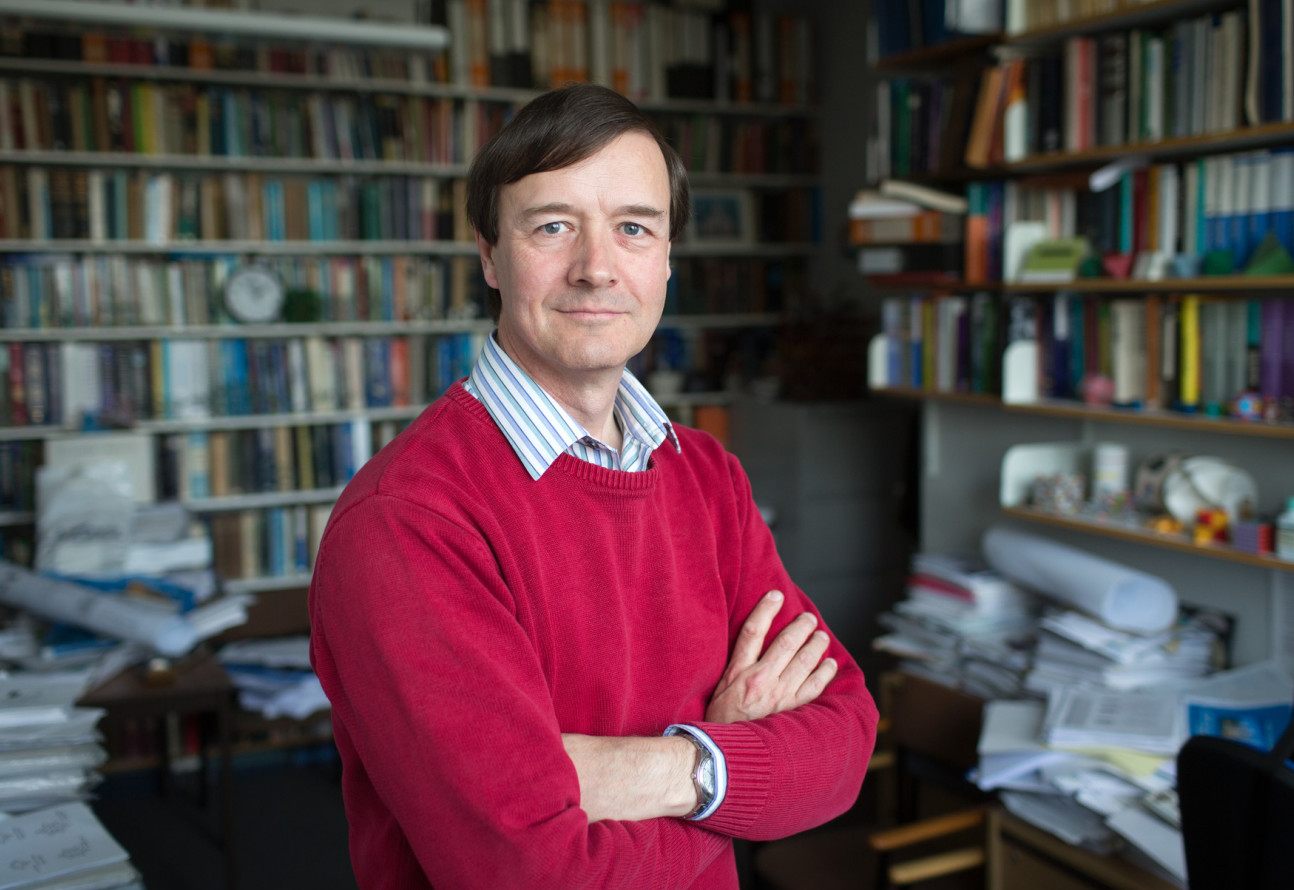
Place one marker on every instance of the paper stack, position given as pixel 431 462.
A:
pixel 62 846
pixel 274 676
pixel 962 624
pixel 48 746
pixel 1075 650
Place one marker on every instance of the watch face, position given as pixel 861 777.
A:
pixel 254 295
pixel 705 776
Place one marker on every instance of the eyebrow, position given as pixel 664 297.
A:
pixel 562 207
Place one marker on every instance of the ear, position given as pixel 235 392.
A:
pixel 486 250
pixel 669 267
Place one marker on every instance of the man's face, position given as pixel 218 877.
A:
pixel 581 262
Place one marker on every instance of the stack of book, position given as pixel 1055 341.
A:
pixel 908 233
pixel 963 625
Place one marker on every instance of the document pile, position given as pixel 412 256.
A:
pixel 1075 650
pixel 1108 755
pixel 962 624
pixel 274 676
pixel 62 846
pixel 49 754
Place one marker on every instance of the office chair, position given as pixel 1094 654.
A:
pixel 1237 807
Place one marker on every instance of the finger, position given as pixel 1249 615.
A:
pixel 817 682
pixel 803 663
pixel 791 639
pixel 750 640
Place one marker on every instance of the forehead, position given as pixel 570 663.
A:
pixel 630 168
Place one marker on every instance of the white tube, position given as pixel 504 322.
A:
pixel 1122 597
pixel 116 616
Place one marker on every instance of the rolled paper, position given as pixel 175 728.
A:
pixel 1122 597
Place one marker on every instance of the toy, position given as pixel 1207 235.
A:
pixel 1247 405
pixel 1211 526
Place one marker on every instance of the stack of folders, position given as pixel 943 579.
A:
pixel 963 625
pixel 49 754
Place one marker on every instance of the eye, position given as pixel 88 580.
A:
pixel 552 228
pixel 632 228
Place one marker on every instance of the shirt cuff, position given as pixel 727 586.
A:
pixel 720 765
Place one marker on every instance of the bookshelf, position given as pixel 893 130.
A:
pixel 994 361
pixel 143 161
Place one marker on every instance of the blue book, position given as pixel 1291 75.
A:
pixel 377 372
pixel 1281 209
pixel 1236 202
pixel 276 558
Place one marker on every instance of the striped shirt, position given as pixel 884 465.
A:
pixel 540 430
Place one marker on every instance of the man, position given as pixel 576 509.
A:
pixel 540 613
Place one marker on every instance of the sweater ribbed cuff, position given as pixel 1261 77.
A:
pixel 750 775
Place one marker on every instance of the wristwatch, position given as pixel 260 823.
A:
pixel 703 779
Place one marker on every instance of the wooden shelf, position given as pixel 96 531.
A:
pixel 1078 411
pixel 1138 535
pixel 1270 285
pixel 1132 15
pixel 1282 284
pixel 1261 136
pixel 907 392
pixel 942 55
pixel 1167 419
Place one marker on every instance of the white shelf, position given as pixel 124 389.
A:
pixel 240 23
pixel 266 584
pixel 16 517
pixel 249 332
pixel 262 501
pixel 226 163
pixel 223 248
pixel 256 421
pixel 283 80
pixel 16 433
pixel 345 329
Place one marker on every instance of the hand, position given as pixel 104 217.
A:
pixel 791 673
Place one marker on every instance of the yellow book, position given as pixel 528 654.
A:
pixel 1189 324
pixel 157 369
pixel 305 458
pixel 929 335
pixel 202 124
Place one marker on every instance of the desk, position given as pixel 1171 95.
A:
pixel 935 731
pixel 199 687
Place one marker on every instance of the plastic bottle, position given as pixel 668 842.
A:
pixel 1285 532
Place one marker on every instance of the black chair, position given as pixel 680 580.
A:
pixel 1237 807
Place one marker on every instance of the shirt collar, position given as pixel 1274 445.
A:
pixel 537 427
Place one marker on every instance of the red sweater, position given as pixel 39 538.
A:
pixel 464 615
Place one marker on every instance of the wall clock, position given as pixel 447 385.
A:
pixel 254 295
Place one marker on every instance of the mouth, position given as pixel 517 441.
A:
pixel 591 313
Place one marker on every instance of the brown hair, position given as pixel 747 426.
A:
pixel 555 130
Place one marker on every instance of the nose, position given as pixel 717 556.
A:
pixel 594 262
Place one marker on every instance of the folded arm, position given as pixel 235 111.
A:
pixel 446 722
